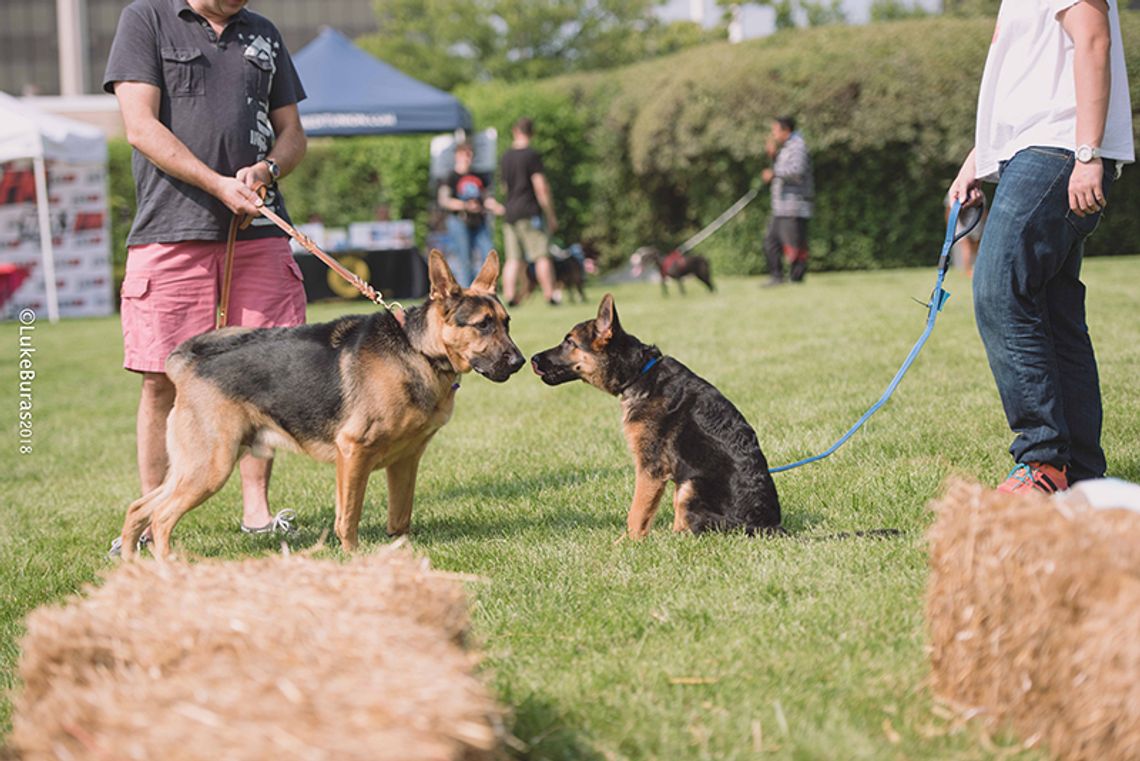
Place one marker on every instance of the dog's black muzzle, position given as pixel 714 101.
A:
pixel 504 366
pixel 551 372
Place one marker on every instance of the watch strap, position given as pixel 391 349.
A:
pixel 1086 153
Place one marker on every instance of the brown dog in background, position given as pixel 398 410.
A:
pixel 676 265
pixel 364 391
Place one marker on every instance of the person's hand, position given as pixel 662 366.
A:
pixel 255 175
pixel 1086 189
pixel 237 196
pixel 966 188
pixel 473 206
pixel 496 208
pixel 767 175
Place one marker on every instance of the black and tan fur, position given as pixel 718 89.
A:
pixel 365 392
pixel 678 426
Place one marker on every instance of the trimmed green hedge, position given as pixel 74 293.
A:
pixel 647 154
pixel 887 110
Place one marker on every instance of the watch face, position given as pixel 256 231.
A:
pixel 1085 154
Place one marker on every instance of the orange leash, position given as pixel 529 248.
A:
pixel 227 275
pixel 237 223
pixel 367 290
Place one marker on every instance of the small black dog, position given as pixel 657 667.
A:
pixel 679 428
pixel 569 273
pixel 676 265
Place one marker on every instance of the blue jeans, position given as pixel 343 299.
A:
pixel 1030 307
pixel 469 246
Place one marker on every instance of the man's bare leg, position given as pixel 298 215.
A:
pixel 544 272
pixel 255 472
pixel 155 402
pixel 511 272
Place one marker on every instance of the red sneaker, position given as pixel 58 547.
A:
pixel 1035 476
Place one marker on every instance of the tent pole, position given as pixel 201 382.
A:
pixel 47 253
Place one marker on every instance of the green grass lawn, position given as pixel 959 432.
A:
pixel 810 647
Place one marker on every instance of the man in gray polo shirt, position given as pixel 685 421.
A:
pixel 209 96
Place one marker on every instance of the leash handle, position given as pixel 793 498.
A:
pixel 952 234
pixel 239 222
pixel 977 212
pixel 222 316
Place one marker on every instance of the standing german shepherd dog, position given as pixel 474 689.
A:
pixel 679 428
pixel 364 391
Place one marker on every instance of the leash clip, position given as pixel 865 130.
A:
pixel 940 294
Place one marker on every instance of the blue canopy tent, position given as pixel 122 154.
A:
pixel 352 93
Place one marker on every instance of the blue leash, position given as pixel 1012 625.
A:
pixel 938 298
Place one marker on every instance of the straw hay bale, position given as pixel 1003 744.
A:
pixel 1033 609
pixel 282 657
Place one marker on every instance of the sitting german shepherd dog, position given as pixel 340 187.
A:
pixel 364 391
pixel 679 428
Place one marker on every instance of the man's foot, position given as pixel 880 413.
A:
pixel 282 523
pixel 117 545
pixel 513 303
pixel 1035 476
pixel 772 282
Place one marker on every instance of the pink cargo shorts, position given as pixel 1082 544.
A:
pixel 171 291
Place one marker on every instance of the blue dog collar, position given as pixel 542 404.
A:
pixel 641 374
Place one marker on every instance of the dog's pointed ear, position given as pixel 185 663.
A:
pixel 606 324
pixel 443 285
pixel 488 275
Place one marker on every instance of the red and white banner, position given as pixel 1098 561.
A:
pixel 81 237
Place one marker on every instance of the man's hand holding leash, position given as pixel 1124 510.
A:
pixel 238 196
pixel 967 188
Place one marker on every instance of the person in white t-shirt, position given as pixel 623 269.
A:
pixel 1054 128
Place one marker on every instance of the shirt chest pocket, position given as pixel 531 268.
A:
pixel 183 70
pixel 258 76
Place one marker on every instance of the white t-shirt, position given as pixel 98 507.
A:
pixel 1028 96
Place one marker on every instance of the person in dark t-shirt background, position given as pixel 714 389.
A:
pixel 467 198
pixel 529 220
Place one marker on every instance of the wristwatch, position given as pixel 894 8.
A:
pixel 275 171
pixel 1086 153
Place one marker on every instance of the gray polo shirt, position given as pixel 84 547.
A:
pixel 793 188
pixel 217 93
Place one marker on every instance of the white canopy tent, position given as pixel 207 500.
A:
pixel 27 132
